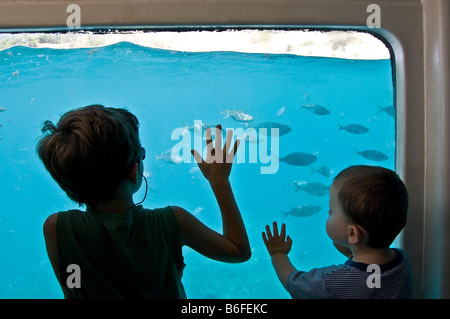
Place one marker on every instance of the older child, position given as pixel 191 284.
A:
pixel 368 208
pixel 120 249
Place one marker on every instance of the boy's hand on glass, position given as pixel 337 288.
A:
pixel 277 243
pixel 216 167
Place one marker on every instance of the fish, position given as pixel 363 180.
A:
pixel 168 158
pixel 92 51
pixel 281 111
pixel 282 128
pixel 194 170
pixel 316 109
pixel 238 115
pixel 302 210
pixel 147 174
pixel 2 109
pixel 354 128
pixel 389 110
pixel 15 74
pixel 323 170
pixel 251 138
pixel 197 128
pixel 197 211
pixel 373 155
pixel 312 188
pixel 299 159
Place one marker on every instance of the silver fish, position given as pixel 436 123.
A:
pixel 2 109
pixel 197 128
pixel 323 170
pixel 168 158
pixel 312 188
pixel 299 159
pixel 147 174
pixel 92 51
pixel 316 109
pixel 282 128
pixel 281 111
pixel 238 115
pixel 302 211
pixel 373 155
pixel 354 128
pixel 194 170
pixel 197 211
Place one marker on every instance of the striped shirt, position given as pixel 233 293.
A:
pixel 354 280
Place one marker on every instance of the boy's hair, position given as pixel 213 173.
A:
pixel 90 151
pixel 374 198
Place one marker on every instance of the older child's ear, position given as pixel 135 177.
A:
pixel 132 174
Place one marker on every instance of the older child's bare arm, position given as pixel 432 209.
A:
pixel 278 246
pixel 51 246
pixel 232 245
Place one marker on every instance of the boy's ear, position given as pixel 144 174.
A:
pixel 356 234
pixel 132 174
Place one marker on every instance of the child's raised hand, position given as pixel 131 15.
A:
pixel 277 243
pixel 216 166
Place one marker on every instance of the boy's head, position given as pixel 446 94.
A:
pixel 374 198
pixel 90 151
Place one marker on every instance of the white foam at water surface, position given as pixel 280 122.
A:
pixel 337 44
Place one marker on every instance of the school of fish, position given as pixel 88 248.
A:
pixel 297 158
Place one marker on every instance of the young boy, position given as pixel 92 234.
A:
pixel 368 208
pixel 120 249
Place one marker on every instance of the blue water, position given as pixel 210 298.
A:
pixel 168 90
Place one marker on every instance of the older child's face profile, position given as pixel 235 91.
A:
pixel 337 223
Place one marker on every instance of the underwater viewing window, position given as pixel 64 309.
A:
pixel 330 95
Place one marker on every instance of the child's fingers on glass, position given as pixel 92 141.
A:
pixel 264 237
pixel 283 231
pixel 198 158
pixel 275 229
pixel 227 145
pixel 218 137
pixel 230 156
pixel 269 233
pixel 208 139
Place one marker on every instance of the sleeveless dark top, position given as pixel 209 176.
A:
pixel 135 254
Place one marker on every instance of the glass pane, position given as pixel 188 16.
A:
pixel 333 90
